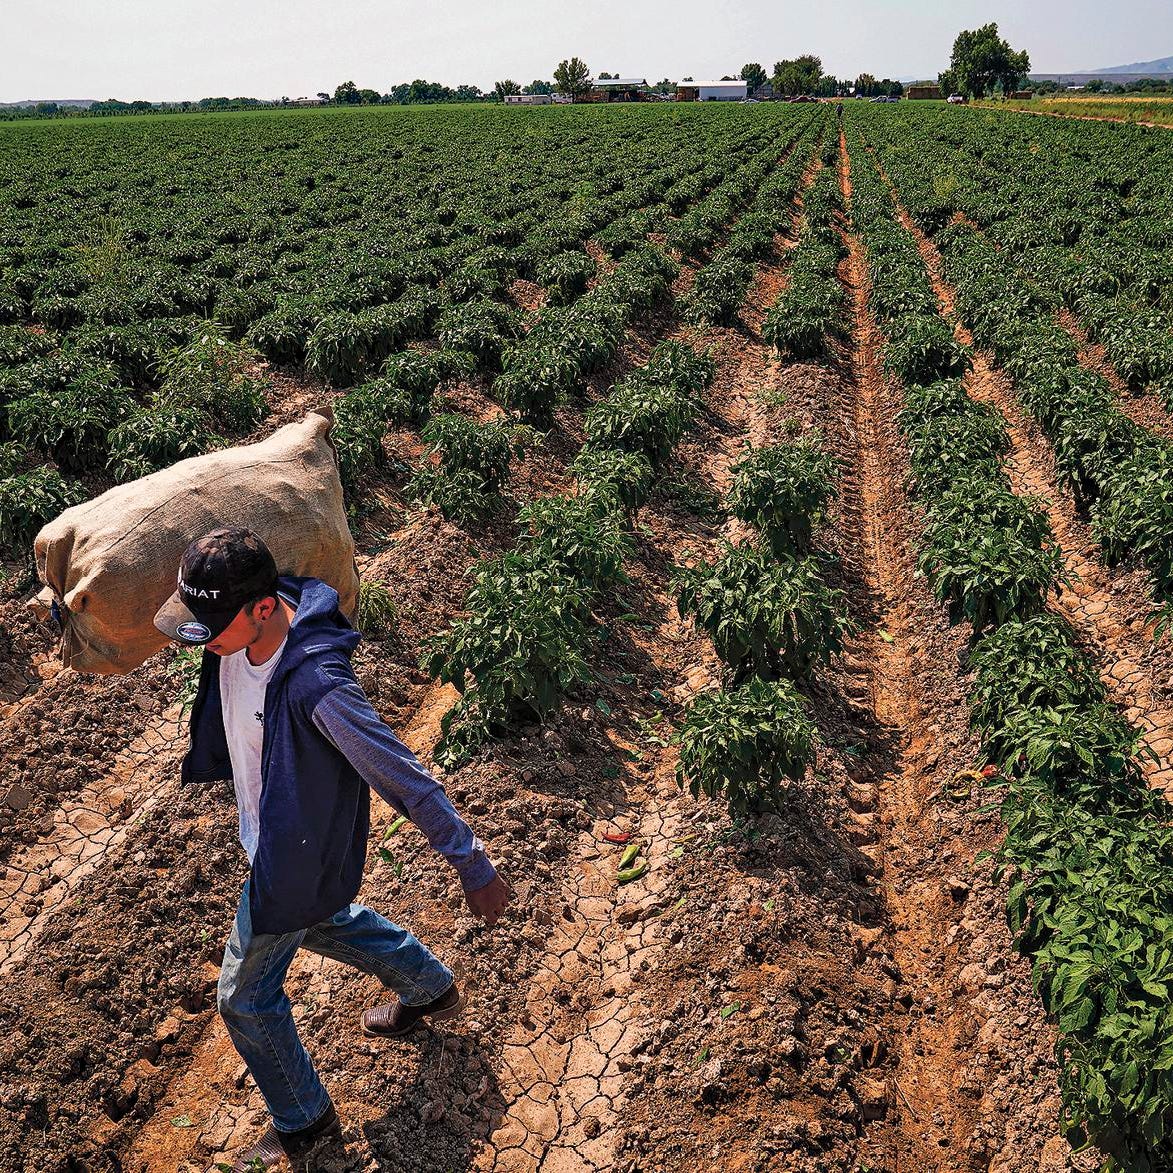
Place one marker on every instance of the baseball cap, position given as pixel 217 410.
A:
pixel 218 574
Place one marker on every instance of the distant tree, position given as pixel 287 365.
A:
pixel 686 79
pixel 347 94
pixel 323 96
pixel 420 92
pixel 754 75
pixel 503 88
pixel 799 75
pixel 1016 72
pixel 1095 86
pixel 539 87
pixel 865 86
pixel 369 97
pixel 828 86
pixel 572 77
pixel 608 76
pixel 947 82
pixel 467 93
pixel 981 59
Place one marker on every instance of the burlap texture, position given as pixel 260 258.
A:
pixel 110 563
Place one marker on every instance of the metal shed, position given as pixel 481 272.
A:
pixel 711 91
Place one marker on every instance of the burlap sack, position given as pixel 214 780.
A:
pixel 110 563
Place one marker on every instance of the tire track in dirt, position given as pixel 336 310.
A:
pixel 1090 600
pixel 975 1086
pixel 928 1070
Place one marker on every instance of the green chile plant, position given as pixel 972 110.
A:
pixel 217 377
pixel 29 499
pixel 783 490
pixel 516 648
pixel 467 464
pixel 809 314
pixel 582 535
pixel 767 616
pixel 743 744
pixel 614 472
pixel 654 406
pixel 152 438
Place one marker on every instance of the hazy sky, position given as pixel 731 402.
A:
pixel 173 49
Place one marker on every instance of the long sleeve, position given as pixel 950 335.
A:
pixel 345 717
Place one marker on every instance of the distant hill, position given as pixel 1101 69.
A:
pixel 1163 65
pixel 59 101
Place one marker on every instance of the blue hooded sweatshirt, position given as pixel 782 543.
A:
pixel 323 746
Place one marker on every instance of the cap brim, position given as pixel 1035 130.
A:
pixel 177 621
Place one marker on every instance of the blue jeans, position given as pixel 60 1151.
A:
pixel 252 1001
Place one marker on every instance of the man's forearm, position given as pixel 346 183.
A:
pixel 346 718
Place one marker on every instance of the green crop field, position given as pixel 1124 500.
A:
pixel 765 519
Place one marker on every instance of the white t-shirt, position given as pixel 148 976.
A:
pixel 242 696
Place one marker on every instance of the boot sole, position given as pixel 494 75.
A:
pixel 425 1020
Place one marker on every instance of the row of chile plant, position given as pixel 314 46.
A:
pixel 1087 842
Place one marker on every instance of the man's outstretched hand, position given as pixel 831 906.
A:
pixel 489 902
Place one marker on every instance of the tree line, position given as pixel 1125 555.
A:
pixel 982 63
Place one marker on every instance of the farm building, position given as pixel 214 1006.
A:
pixel 916 92
pixel 1023 95
pixel 617 89
pixel 528 99
pixel 711 91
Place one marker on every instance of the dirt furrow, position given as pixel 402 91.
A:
pixel 923 1088
pixel 962 1096
pixel 1093 599
pixel 563 1065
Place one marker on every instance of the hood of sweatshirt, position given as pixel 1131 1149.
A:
pixel 318 627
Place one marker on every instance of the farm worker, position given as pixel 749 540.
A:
pixel 278 710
